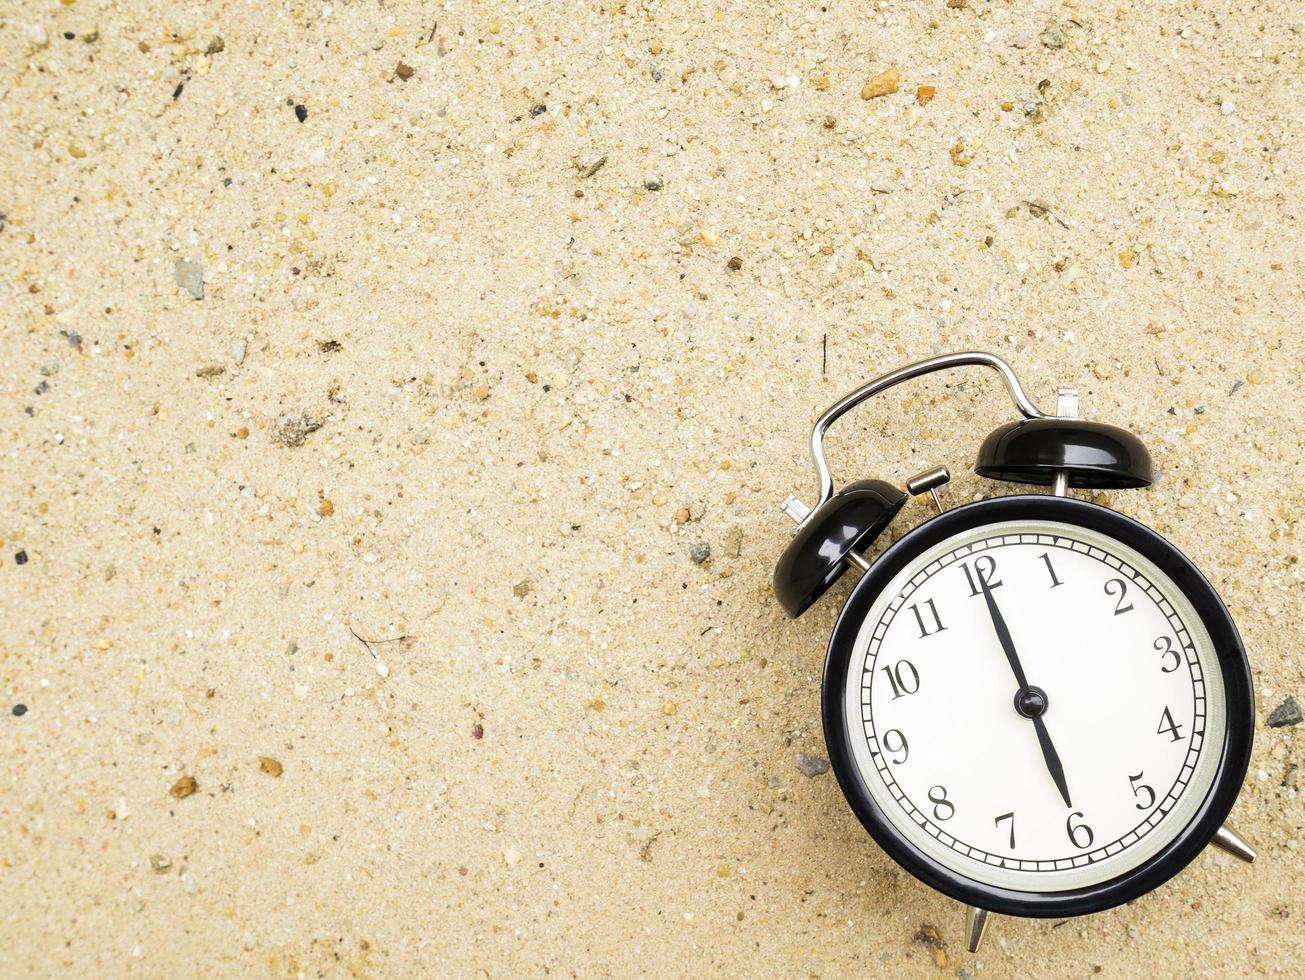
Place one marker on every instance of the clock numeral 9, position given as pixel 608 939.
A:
pixel 903 678
pixel 984 576
pixel 1080 835
pixel 1008 816
pixel 1173 730
pixel 938 797
pixel 1121 590
pixel 901 745
pixel 1139 790
pixel 1165 646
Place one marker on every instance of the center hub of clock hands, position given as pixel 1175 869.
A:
pixel 1031 701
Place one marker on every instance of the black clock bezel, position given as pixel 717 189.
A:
pixel 1239 694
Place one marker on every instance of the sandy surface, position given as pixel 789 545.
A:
pixel 468 340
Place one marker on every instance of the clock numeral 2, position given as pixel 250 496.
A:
pixel 938 627
pixel 1080 835
pixel 1165 645
pixel 1011 817
pixel 938 797
pixel 1122 590
pixel 901 745
pixel 1139 790
pixel 1051 571
pixel 984 576
pixel 1173 730
pixel 902 683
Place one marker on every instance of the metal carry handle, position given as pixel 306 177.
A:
pixel 943 362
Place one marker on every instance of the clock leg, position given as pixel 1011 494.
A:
pixel 1229 840
pixel 976 921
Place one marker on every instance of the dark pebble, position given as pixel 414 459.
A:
pixel 478 731
pixel 19 710
pixel 735 264
pixel 538 110
pixel 700 552
pixel 1287 713
pixel 652 184
pixel 301 112
pixel 21 557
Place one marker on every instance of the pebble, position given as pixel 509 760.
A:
pixel 404 71
pixel 301 112
pixel 1052 36
pixel 699 552
pixel 238 352
pixel 885 83
pixel 19 710
pixel 1228 107
pixel 270 766
pixel 160 863
pixel 811 765
pixel 1285 714
pixel 189 276
pixel 183 787
pixel 883 186
pixel 293 429
pixel 523 588
pixel 37 36
pixel 20 558
pixel 652 184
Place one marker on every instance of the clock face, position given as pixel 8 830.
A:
pixel 1034 705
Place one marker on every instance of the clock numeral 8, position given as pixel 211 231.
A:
pixel 1080 835
pixel 938 797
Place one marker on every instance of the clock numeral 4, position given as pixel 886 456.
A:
pixel 1080 834
pixel 1046 557
pixel 1138 790
pixel 903 678
pixel 1165 646
pixel 984 576
pixel 1173 730
pixel 943 809
pixel 901 745
pixel 938 627
pixel 1011 817
pixel 1117 587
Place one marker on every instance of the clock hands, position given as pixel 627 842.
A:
pixel 1031 702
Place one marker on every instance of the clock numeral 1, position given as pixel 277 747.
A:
pixel 1051 571
pixel 1173 730
pixel 938 797
pixel 902 683
pixel 938 627
pixel 1080 835
pixel 984 576
pixel 1011 817
pixel 1121 590
pixel 901 745
pixel 1139 790
pixel 1165 645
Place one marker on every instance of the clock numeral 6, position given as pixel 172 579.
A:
pixel 1173 730
pixel 1139 790
pixel 1121 590
pixel 1166 648
pixel 938 797
pixel 984 576
pixel 1080 835
pixel 901 745
pixel 903 678
pixel 1008 816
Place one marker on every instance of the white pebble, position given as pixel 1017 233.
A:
pixel 37 36
pixel 1228 107
pixel 382 668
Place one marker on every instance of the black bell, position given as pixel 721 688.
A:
pixel 849 521
pixel 1093 455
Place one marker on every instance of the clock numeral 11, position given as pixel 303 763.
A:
pixel 938 627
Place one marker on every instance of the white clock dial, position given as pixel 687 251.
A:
pixel 1120 675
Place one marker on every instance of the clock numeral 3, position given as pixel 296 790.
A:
pixel 1051 571
pixel 984 576
pixel 1173 730
pixel 1121 590
pixel 1139 790
pixel 901 745
pixel 1011 817
pixel 1165 645
pixel 938 797
pixel 1080 835
pixel 903 678
pixel 938 627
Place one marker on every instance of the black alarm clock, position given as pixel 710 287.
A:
pixel 1034 704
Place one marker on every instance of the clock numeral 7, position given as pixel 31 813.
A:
pixel 1173 730
pixel 1139 790
pixel 984 576
pixel 938 627
pixel 903 678
pixel 1011 817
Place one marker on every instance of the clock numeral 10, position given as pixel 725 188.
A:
pixel 984 576
pixel 1080 834
pixel 1011 817
pixel 1173 730
pixel 1139 790
pixel 942 807
pixel 938 627
pixel 903 678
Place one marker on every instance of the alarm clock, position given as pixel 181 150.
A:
pixel 1033 703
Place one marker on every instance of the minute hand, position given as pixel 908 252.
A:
pixel 1049 754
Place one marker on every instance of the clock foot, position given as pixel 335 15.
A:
pixel 976 921
pixel 1229 840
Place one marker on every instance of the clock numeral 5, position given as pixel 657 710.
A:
pixel 1008 816
pixel 903 678
pixel 984 576
pixel 938 797
pixel 1080 835
pixel 938 627
pixel 1120 589
pixel 1173 730
pixel 901 745
pixel 1165 645
pixel 1139 790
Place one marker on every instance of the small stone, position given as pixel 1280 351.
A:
pixel 1102 371
pixel 215 46
pixel 404 71
pixel 699 552
pixel 523 588
pixel 883 185
pixel 957 4
pixel 885 83
pixel 924 94
pixel 1126 259
pixel 1052 36
pixel 210 371
pixel 682 516
pixel 18 710
pixel 1285 714
pixel 301 112
pixel 270 766
pixel 326 508
pixel 183 787
pixel 734 542
pixel 189 276
pixel 293 429
pixel 36 36
pixel 538 110
pixel 20 557
pixel 734 264
pixel 160 863
pixel 238 352
pixel 477 731
pixel 511 857
pixel 1228 107
pixel 652 184
pixel 670 708
pixel 811 766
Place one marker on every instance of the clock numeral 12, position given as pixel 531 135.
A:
pixel 984 576
pixel 938 627
pixel 902 683
pixel 1011 817
pixel 1173 730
